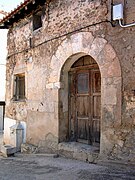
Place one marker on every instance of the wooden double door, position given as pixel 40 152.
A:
pixel 85 105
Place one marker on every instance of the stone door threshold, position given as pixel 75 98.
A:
pixel 79 151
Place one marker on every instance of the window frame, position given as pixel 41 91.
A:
pixel 18 93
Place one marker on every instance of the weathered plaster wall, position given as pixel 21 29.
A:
pixel 42 65
pixel 41 100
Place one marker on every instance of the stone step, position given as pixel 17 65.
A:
pixel 79 151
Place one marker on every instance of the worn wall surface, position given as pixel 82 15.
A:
pixel 71 30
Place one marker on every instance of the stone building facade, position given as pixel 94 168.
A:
pixel 70 76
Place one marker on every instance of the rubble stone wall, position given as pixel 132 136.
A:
pixel 72 29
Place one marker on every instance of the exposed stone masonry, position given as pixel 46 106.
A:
pixel 46 64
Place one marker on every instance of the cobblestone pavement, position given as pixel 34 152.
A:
pixel 41 167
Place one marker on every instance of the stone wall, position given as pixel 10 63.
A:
pixel 35 62
pixel 70 30
pixel 122 41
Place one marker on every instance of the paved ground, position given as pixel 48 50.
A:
pixel 40 167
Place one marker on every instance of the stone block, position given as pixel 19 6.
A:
pixel 109 52
pixel 68 51
pixel 58 85
pixel 76 42
pixel 92 158
pixel 28 148
pixel 120 143
pixel 97 46
pixel 8 150
pixel 49 86
pixel 110 95
pixel 83 156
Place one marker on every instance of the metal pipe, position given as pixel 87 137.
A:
pixel 126 25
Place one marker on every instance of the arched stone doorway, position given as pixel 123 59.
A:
pixel 68 52
pixel 84 101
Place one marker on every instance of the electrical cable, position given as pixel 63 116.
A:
pixel 57 37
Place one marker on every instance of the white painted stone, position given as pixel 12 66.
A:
pixel 58 85
pixel 8 122
pixel 49 86
pixel 16 135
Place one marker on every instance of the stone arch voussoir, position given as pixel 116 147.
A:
pixel 86 44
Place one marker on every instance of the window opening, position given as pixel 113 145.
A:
pixel 19 87
pixel 37 21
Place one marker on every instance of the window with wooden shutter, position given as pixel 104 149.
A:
pixel 19 87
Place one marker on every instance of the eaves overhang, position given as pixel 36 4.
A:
pixel 23 10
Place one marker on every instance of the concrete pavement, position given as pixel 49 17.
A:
pixel 43 167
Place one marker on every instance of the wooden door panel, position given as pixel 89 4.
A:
pixel 82 105
pixel 83 129
pixel 96 104
pixel 72 83
pixel 96 77
pixel 96 131
pixel 96 107
pixel 85 105
pixel 72 107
